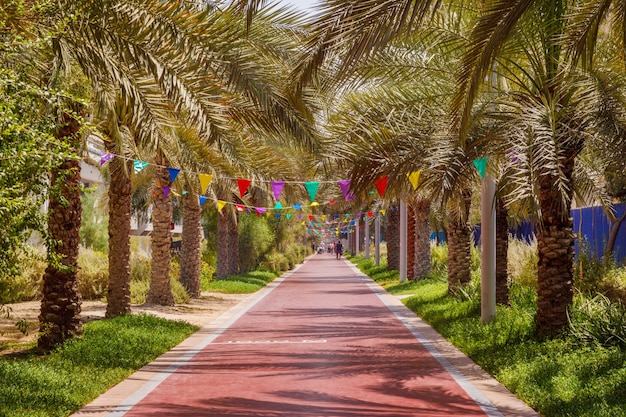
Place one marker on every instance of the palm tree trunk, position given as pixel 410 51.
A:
pixel 233 244
pixel 222 246
pixel 120 193
pixel 190 253
pixel 59 319
pixel 160 289
pixel 393 239
pixel 410 241
pixel 459 248
pixel 422 238
pixel 555 243
pixel 502 249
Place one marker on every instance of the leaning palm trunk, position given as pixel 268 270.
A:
pixel 502 249
pixel 222 246
pixel 120 193
pixel 233 244
pixel 190 253
pixel 160 288
pixel 410 241
pixel 60 304
pixel 393 239
pixel 555 243
pixel 422 238
pixel 459 248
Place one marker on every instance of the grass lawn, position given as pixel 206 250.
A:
pixel 558 378
pixel 109 351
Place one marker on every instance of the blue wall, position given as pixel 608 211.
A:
pixel 593 224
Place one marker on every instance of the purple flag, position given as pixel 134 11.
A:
pixel 104 157
pixel 277 188
pixel 166 191
pixel 345 189
pixel 260 210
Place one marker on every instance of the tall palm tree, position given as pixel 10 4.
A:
pixel 191 245
pixel 61 301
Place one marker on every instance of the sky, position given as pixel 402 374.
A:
pixel 300 4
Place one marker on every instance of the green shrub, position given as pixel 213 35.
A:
pixel 139 291
pixel 207 272
pixel 27 285
pixel 93 274
pixel 438 257
pixel 523 259
pixel 140 280
pixel 139 267
pixel 255 240
pixel 598 320
pixel 275 262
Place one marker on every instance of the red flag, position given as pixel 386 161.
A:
pixel 381 185
pixel 243 186
pixel 310 217
pixel 239 207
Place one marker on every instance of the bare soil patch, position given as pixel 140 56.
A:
pixel 199 312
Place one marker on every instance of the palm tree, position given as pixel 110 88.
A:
pixel 192 239
pixel 61 301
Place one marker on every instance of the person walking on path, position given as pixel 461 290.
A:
pixel 338 249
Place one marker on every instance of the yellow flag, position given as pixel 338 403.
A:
pixel 383 212
pixel 205 180
pixel 315 203
pixel 220 205
pixel 414 177
pixel 323 217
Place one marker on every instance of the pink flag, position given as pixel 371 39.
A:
pixel 104 157
pixel 345 189
pixel 277 188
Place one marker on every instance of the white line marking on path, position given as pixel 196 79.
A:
pixel 406 316
pixel 268 342
pixel 149 386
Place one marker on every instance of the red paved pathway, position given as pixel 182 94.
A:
pixel 324 342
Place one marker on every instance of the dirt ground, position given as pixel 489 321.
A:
pixel 199 312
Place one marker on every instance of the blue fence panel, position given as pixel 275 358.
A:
pixel 594 226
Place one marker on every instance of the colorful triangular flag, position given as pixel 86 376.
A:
pixel 345 189
pixel 220 205
pixel 105 157
pixel 414 178
pixel 481 166
pixel 288 216
pixel 381 185
pixel 260 210
pixel 243 185
pixel 205 180
pixel 166 191
pixel 239 208
pixel 278 206
pixel 383 212
pixel 277 188
pixel 203 200
pixel 173 173
pixel 298 206
pixel 139 165
pixel 311 187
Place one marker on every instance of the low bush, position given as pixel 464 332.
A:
pixel 93 274
pixel 275 262
pixel 598 320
